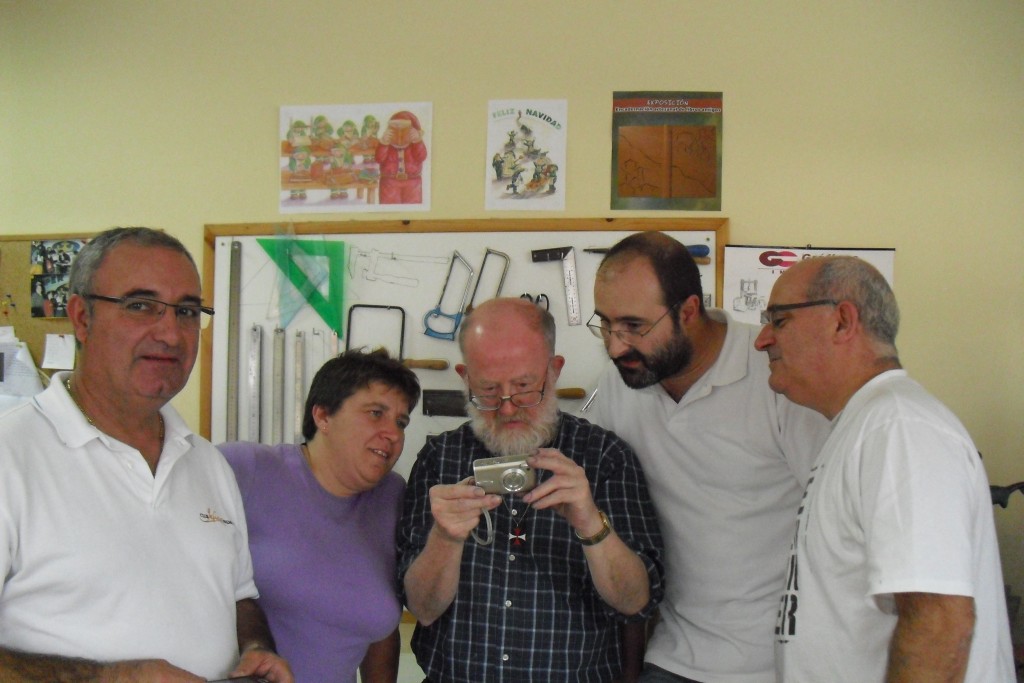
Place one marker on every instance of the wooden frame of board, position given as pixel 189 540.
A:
pixel 718 225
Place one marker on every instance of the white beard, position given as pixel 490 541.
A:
pixel 540 430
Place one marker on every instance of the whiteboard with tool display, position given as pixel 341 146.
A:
pixel 406 292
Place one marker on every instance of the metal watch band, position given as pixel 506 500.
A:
pixel 600 535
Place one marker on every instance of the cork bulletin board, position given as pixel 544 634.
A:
pixel 15 294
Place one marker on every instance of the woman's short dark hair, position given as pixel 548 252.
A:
pixel 350 372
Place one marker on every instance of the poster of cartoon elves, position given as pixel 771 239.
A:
pixel 526 155
pixel 355 157
pixel 667 150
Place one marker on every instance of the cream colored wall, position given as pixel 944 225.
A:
pixel 846 124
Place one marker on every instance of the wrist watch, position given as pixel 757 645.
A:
pixel 600 535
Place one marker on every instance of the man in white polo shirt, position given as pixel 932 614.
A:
pixel 726 459
pixel 123 544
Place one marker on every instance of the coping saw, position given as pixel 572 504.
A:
pixel 425 364
pixel 436 312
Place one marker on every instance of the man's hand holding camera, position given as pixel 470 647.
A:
pixel 566 490
pixel 456 508
pixel 617 572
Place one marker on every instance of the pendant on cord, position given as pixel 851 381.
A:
pixel 518 533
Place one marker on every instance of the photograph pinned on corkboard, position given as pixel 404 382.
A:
pixel 667 151
pixel 50 267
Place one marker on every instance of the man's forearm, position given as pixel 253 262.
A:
pixel 19 667
pixel 619 575
pixel 433 578
pixel 23 667
pixel 932 638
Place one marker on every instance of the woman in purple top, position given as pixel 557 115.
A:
pixel 322 518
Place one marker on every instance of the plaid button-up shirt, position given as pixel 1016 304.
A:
pixel 526 608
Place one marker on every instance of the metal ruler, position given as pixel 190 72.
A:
pixel 277 389
pixel 317 350
pixel 255 381
pixel 299 395
pixel 234 323
pixel 567 255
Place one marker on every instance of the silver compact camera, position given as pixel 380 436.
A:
pixel 504 474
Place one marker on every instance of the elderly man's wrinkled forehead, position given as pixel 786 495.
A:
pixel 501 318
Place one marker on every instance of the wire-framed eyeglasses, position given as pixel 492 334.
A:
pixel 629 332
pixel 768 314
pixel 521 399
pixel 148 311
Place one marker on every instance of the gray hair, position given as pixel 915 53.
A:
pixel 848 278
pixel 88 261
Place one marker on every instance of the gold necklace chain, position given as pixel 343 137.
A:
pixel 67 385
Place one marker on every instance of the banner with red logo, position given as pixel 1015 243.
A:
pixel 751 271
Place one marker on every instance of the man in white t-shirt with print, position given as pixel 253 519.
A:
pixel 894 573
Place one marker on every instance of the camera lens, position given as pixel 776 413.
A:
pixel 513 480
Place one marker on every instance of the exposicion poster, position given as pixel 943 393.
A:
pixel 667 151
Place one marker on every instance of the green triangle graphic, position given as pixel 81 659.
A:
pixel 329 307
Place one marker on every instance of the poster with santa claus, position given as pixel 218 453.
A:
pixel 355 157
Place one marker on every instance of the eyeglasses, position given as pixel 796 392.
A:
pixel 522 399
pixel 768 314
pixel 627 332
pixel 145 310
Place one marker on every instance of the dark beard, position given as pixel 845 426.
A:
pixel 663 363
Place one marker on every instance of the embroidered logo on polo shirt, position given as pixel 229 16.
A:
pixel 211 516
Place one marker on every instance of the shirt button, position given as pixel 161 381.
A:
pixel 504 658
pixel 508 603
pixel 511 558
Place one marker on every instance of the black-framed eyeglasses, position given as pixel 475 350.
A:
pixel 768 314
pixel 146 310
pixel 627 332
pixel 521 399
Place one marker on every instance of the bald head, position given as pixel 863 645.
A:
pixel 496 320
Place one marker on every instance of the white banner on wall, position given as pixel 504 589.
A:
pixel 751 271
